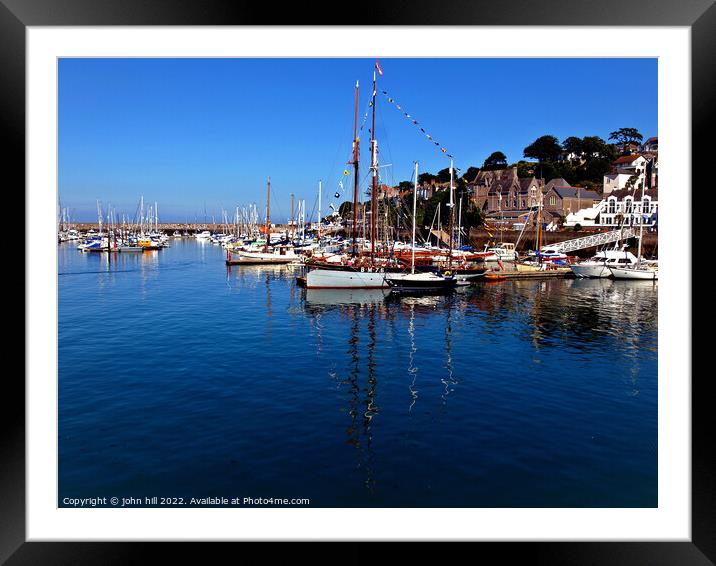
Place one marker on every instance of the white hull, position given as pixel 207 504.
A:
pixel 263 257
pixel 627 273
pixel 591 270
pixel 336 279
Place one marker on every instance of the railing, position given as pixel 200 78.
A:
pixel 594 240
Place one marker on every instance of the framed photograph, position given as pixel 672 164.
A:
pixel 411 279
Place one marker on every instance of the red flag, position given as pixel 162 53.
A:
pixel 377 66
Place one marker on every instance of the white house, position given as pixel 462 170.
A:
pixel 614 182
pixel 586 217
pixel 626 207
pixel 630 164
pixel 620 208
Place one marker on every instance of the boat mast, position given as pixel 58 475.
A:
pixel 268 215
pixel 459 224
pixel 415 204
pixel 647 178
pixel 356 143
pixel 539 226
pixel 374 167
pixel 451 205
pixel 292 220
pixel 319 210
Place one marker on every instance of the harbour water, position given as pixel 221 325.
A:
pixel 180 377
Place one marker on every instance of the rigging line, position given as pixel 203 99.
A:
pixel 386 144
pixel 417 124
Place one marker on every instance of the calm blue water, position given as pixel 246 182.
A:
pixel 180 378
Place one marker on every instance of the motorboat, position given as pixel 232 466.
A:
pixel 599 265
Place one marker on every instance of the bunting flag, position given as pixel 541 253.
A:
pixel 392 101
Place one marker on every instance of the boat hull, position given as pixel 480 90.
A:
pixel 421 282
pixel 591 271
pixel 258 258
pixel 640 274
pixel 345 279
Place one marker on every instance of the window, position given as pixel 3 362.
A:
pixel 552 200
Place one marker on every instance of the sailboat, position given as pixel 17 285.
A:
pixel 420 282
pixel 277 255
pixel 358 272
pixel 641 269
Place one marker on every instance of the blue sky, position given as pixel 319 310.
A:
pixel 196 134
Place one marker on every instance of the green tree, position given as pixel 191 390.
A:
pixel 623 136
pixel 471 173
pixel 544 149
pixel 346 209
pixel 573 145
pixel 525 168
pixel 439 199
pixel 595 147
pixel 443 175
pixel 426 178
pixel 496 160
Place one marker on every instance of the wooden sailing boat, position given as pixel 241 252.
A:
pixel 358 272
pixel 275 255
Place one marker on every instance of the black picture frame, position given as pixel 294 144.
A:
pixel 16 15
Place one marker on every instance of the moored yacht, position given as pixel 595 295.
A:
pixel 599 264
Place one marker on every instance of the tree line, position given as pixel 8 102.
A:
pixel 579 161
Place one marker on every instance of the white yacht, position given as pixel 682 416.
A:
pixel 643 270
pixel 504 251
pixel 599 265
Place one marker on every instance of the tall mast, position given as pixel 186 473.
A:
pixel 268 215
pixel 539 226
pixel 415 204
pixel 647 178
pixel 459 224
pixel 451 205
pixel 292 219
pixel 374 167
pixel 319 210
pixel 356 181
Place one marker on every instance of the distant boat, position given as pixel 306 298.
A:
pixel 276 255
pixel 279 255
pixel 504 251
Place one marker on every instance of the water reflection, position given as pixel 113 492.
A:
pixel 362 410
pixel 502 388
pixel 338 298
pixel 412 368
